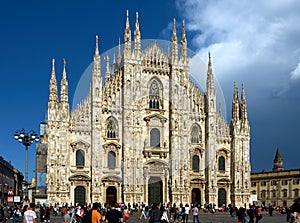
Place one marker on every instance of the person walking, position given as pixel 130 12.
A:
pixel 113 215
pixel 66 216
pixel 195 212
pixel 96 216
pixel 143 214
pixel 258 214
pixel 30 215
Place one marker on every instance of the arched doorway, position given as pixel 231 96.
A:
pixel 80 195
pixel 196 196
pixel 155 190
pixel 221 197
pixel 111 194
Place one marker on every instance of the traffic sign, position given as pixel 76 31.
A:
pixel 10 199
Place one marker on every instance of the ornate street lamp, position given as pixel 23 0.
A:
pixel 26 138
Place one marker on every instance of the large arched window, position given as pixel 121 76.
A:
pixel 196 134
pixel 155 137
pixel 154 95
pixel 79 158
pixel 111 160
pixel 112 128
pixel 195 163
pixel 221 163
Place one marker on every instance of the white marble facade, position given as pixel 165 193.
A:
pixel 146 133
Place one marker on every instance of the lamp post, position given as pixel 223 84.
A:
pixel 26 138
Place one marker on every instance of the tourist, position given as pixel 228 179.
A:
pixel 113 215
pixel 258 214
pixel 154 214
pixel 30 215
pixel 96 216
pixel 195 212
pixel 66 216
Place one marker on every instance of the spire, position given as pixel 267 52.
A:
pixel 235 104
pixel 183 44
pixel 96 48
pixel 119 52
pixel 174 43
pixel 243 104
pixel 210 85
pixel 64 85
pixel 127 36
pixel 278 163
pixel 137 36
pixel 107 73
pixel 53 95
pixel 97 64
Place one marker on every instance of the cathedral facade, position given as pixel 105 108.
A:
pixel 146 133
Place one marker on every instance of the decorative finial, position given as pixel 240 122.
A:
pixel 97 47
pixel 137 21
pixel 127 19
pixel 53 62
pixel 243 86
pixel 64 70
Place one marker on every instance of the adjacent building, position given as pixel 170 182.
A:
pixel 145 132
pixel 10 182
pixel 278 187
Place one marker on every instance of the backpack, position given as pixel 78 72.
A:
pixel 88 217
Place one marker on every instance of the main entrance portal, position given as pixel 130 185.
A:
pixel 221 197
pixel 111 194
pixel 80 195
pixel 155 190
pixel 196 198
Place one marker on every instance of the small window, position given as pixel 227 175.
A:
pixel 253 184
pixel 274 182
pixel 296 181
pixel 284 182
pixel 155 137
pixel 263 183
pixel 111 160
pixel 196 134
pixel 296 193
pixel 221 163
pixel 79 158
pixel 263 194
pixel 154 95
pixel 284 193
pixel 112 128
pixel 195 163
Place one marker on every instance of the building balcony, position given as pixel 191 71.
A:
pixel 155 152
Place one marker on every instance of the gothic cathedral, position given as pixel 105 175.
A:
pixel 146 133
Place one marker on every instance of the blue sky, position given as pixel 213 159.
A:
pixel 257 45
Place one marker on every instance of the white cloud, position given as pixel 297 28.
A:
pixel 248 39
pixel 295 74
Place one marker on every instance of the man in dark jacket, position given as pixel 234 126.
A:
pixel 154 214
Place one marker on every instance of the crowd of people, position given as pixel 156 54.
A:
pixel 113 212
